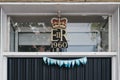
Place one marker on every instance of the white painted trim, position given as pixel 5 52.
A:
pixel 3 59
pixel 118 29
pixel 58 3
pixel 115 73
pixel 69 14
pixel 16 41
pixel 118 64
pixel 1 31
pixel 4 64
pixel 0 48
pixel 110 34
pixel 8 33
pixel 4 26
pixel 59 54
pixel 114 70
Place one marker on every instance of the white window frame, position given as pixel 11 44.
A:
pixel 4 52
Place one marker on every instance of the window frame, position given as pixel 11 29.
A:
pixel 5 52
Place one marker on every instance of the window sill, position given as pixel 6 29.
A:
pixel 59 54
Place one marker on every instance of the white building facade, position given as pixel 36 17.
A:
pixel 10 44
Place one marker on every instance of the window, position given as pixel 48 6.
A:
pixel 33 34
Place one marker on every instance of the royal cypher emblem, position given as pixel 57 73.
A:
pixel 58 33
pixel 59 23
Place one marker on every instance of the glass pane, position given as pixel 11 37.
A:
pixel 33 34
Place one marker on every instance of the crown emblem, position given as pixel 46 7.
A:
pixel 59 23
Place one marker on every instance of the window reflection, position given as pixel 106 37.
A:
pixel 33 34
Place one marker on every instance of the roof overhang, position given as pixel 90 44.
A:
pixel 51 8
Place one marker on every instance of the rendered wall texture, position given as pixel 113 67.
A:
pixel 59 0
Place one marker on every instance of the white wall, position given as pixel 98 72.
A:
pixel 4 36
pixel 3 59
pixel 115 45
pixel 0 49
pixel 119 44
pixel 5 45
pixel 114 30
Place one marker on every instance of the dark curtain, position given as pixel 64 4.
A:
pixel 35 69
